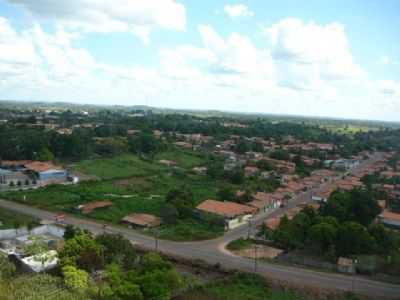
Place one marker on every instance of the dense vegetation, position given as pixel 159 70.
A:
pixel 108 134
pixel 343 227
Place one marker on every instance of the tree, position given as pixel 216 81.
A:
pixel 236 176
pixel 159 284
pixel 117 249
pixel 226 194
pixel 118 286
pixel 182 199
pixel 215 169
pixel 264 165
pixel 357 205
pixel 384 239
pixel 144 143
pixel 75 279
pixel 153 261
pixel 45 155
pixel 169 214
pixel 280 154
pixel 353 238
pixel 71 231
pixel 242 147
pixel 323 236
pixel 82 251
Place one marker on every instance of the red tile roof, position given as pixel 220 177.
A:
pixel 389 215
pixel 225 209
pixel 88 208
pixel 144 220
pixel 39 166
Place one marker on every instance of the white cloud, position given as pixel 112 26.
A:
pixel 136 16
pixel 238 10
pixel 226 72
pixel 235 55
pixel 314 48
pixel 389 87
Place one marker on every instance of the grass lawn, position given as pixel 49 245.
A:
pixel 239 244
pixel 185 158
pixel 134 186
pixel 9 219
pixel 190 230
pixel 121 166
pixel 238 287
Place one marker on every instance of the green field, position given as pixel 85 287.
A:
pixel 10 219
pixel 117 167
pixel 133 185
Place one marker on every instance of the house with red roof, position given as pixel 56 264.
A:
pixel 231 213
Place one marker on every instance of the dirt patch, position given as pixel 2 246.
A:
pixel 262 251
pixel 131 182
pixel 83 176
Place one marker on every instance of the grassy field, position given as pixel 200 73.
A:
pixel 10 219
pixel 238 287
pixel 184 158
pixel 117 167
pixel 133 185
pixel 239 244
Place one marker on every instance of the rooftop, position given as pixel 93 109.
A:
pixel 88 208
pixel 38 166
pixel 225 209
pixel 145 220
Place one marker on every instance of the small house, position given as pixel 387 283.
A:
pixel 346 265
pixel 90 207
pixel 233 214
pixel 142 220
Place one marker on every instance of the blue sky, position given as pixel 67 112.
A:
pixel 322 58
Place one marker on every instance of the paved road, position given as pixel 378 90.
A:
pixel 212 252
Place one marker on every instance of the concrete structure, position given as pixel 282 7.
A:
pixel 346 265
pixel 13 242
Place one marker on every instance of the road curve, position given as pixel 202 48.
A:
pixel 209 252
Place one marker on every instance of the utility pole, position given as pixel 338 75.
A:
pixel 353 281
pixel 255 257
pixel 156 240
pixel 249 229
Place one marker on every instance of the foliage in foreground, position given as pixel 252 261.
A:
pixel 238 287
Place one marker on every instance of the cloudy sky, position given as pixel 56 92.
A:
pixel 321 58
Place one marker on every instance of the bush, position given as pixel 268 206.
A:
pixel 239 244
pixel 75 279
pixel 7 268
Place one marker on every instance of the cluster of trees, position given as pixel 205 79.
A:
pixel 126 275
pixel 344 226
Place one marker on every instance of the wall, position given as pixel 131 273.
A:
pixel 45 229
pixel 231 224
